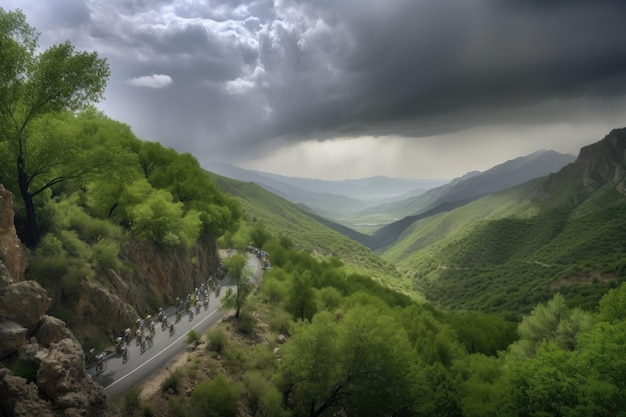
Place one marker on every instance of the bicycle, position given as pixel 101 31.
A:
pixel 150 341
pixel 178 316
pixel 125 354
pixel 101 365
pixel 172 330
pixel 142 345
pixel 190 314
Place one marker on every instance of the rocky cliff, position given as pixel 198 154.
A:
pixel 41 362
pixel 599 164
pixel 604 161
pixel 155 277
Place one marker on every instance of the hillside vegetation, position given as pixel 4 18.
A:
pixel 293 223
pixel 113 225
pixel 316 341
pixel 508 251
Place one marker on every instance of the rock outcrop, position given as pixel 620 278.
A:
pixel 600 164
pixel 604 161
pixel 42 372
pixel 11 253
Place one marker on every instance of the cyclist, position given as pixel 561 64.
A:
pixel 100 365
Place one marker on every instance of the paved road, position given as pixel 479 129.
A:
pixel 119 377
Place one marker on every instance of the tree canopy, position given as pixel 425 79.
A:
pixel 34 86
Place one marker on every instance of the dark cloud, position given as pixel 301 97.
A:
pixel 248 73
pixel 432 58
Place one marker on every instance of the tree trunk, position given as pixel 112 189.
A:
pixel 31 230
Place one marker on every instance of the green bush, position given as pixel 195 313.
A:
pixel 271 403
pixel 217 340
pixel 263 397
pixel 131 401
pixel 330 298
pixel 172 381
pixel 106 255
pixel 246 322
pixel 48 270
pixel 280 320
pixel 215 398
pixel 255 386
pixel 193 336
pixel 273 291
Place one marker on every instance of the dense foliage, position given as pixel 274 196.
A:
pixel 496 256
pixel 359 348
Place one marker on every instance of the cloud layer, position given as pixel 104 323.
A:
pixel 252 78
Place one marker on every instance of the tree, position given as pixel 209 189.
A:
pixel 239 274
pixel 360 365
pixel 301 299
pixel 552 322
pixel 35 85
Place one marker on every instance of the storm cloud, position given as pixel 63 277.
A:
pixel 242 78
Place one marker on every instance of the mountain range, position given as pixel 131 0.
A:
pixel 501 241
pixel 390 205
pixel 331 199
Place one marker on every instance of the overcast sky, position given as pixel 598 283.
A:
pixel 352 88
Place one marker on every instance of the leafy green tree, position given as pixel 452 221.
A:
pixel 259 234
pixel 239 274
pixel 551 322
pixel 35 85
pixel 162 221
pixel 301 300
pixel 182 176
pixel 359 365
pixel 613 305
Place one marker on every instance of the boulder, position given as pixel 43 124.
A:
pixel 18 398
pixel 12 337
pixel 104 314
pixel 24 302
pixel 63 379
pixel 53 330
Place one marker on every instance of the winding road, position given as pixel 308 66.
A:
pixel 119 377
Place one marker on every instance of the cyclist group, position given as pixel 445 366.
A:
pixel 145 329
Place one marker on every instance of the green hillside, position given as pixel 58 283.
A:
pixel 509 251
pixel 282 218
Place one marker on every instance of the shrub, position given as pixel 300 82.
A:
pixel 273 291
pixel 255 385
pixel 131 401
pixel 246 322
pixel 193 336
pixel 280 320
pixel 217 340
pixel 105 255
pixel 271 403
pixel 330 298
pixel 172 381
pixel 216 397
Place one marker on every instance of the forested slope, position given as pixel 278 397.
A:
pixel 508 251
pixel 294 223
